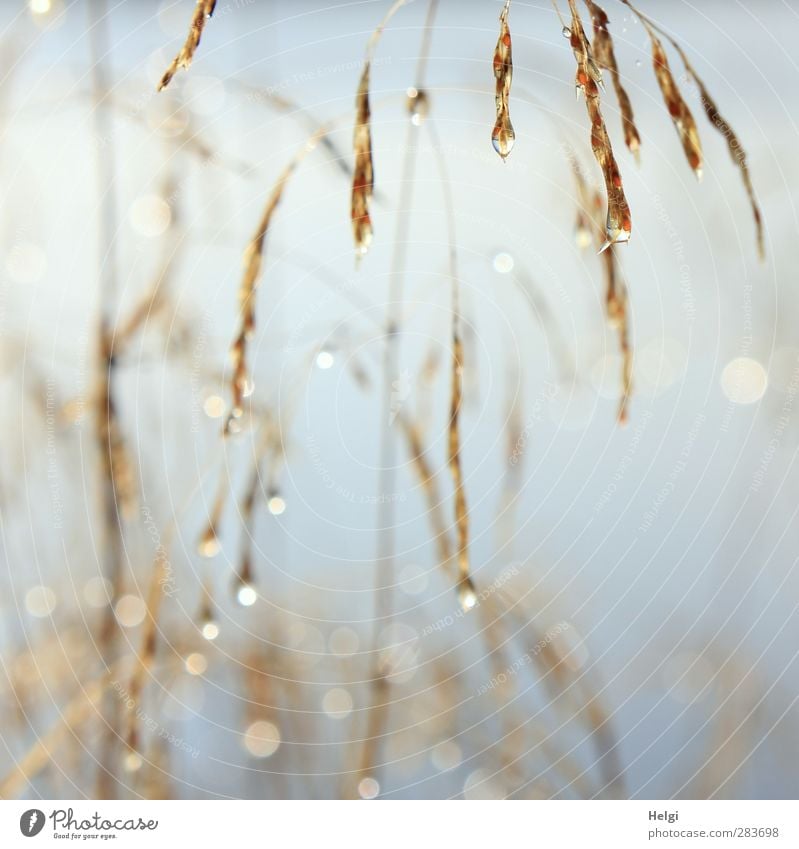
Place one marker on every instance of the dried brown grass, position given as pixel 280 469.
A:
pixel 503 136
pixel 363 179
pixel 618 222
pixel 589 216
pixel 679 112
pixel 202 13
pixel 605 55
pixel 736 149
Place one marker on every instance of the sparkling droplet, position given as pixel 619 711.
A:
pixel 467 596
pixel 503 138
pixel 418 106
pixel 325 359
pixel 566 32
pixel 276 505
pixel 210 631
pixel 246 595
pixel 208 546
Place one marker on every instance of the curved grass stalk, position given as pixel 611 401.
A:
pixel 202 13
pixel 241 383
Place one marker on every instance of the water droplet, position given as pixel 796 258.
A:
pixel 566 32
pixel 246 595
pixel 503 138
pixel 324 359
pixel 276 505
pixel 210 630
pixel 208 546
pixel 467 596
pixel 418 106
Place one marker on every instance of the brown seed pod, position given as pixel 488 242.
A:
pixel 363 172
pixel 503 136
pixel 202 12
pixel 734 146
pixel 241 383
pixel 606 57
pixel 363 179
pixel 680 114
pixel 618 223
pixel 590 215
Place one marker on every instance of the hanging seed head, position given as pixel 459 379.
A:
pixel 681 115
pixel 605 56
pixel 502 136
pixel 618 226
pixel 363 171
pixel 734 146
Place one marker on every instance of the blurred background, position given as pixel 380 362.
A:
pixel 636 628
